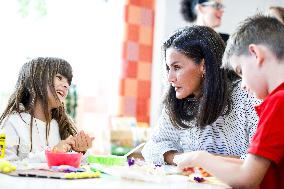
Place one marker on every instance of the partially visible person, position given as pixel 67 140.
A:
pixel 204 13
pixel 203 110
pixel 35 118
pixel 255 51
pixel 277 12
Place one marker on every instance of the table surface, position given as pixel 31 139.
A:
pixel 106 181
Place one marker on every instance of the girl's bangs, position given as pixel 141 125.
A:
pixel 65 69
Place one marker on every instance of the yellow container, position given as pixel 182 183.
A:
pixel 2 145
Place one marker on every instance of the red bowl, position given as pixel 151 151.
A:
pixel 63 158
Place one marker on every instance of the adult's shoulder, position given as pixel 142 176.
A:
pixel 240 96
pixel 237 91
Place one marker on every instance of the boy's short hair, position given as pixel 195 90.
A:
pixel 258 29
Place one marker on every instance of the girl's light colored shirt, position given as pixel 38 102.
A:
pixel 18 140
pixel 228 135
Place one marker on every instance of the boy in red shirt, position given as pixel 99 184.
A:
pixel 256 52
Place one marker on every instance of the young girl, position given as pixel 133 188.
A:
pixel 35 117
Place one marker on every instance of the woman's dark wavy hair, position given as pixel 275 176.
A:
pixel 188 9
pixel 199 43
pixel 34 79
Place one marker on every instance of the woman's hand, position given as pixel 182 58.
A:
pixel 169 156
pixel 64 145
pixel 82 142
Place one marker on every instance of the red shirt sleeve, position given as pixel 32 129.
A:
pixel 268 140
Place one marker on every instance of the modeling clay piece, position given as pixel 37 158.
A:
pixel 188 171
pixel 203 172
pixel 79 175
pixel 6 167
pixel 199 179
pixel 131 161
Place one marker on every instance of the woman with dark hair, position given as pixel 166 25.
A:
pixel 203 110
pixel 204 13
pixel 35 116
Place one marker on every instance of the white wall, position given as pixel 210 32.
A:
pixel 168 19
pixel 237 10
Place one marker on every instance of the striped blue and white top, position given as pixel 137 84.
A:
pixel 228 135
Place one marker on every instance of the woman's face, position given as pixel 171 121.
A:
pixel 211 13
pixel 183 74
pixel 61 87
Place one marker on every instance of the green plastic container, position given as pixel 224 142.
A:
pixel 107 159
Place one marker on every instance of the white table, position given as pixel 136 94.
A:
pixel 109 182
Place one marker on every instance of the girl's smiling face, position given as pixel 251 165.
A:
pixel 61 87
pixel 183 74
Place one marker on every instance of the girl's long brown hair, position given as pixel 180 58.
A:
pixel 34 79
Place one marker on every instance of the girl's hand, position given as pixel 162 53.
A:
pixel 188 159
pixel 82 142
pixel 64 145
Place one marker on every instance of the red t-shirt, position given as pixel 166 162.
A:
pixel 268 141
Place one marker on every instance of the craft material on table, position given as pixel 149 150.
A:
pixel 6 167
pixel 55 175
pixel 56 172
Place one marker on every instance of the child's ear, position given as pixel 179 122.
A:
pixel 256 52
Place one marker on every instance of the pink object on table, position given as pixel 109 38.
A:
pixel 63 158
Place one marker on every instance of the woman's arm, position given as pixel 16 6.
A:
pixel 165 139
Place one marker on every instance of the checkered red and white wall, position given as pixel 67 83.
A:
pixel 135 82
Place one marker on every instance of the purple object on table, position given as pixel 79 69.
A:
pixel 198 179
pixel 131 161
pixel 67 169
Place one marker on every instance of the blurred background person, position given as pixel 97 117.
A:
pixel 204 13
